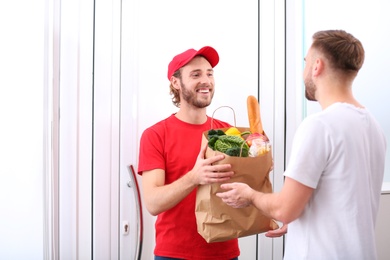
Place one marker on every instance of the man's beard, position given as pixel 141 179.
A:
pixel 191 97
pixel 310 89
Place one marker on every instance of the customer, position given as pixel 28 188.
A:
pixel 333 181
pixel 172 164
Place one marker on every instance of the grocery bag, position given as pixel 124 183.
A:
pixel 217 221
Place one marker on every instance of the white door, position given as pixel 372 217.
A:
pixel 152 33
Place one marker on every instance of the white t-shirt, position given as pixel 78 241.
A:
pixel 339 152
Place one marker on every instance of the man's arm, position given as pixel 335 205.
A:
pixel 285 206
pixel 160 197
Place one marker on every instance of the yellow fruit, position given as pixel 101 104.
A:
pixel 233 131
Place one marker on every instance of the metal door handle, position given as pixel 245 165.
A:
pixel 133 183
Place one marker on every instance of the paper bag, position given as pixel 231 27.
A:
pixel 216 221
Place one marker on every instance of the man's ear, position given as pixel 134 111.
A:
pixel 318 67
pixel 175 82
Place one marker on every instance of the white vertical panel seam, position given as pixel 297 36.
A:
pixel 84 129
pixel 115 130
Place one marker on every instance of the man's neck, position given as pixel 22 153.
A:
pixel 333 89
pixel 192 116
pixel 345 97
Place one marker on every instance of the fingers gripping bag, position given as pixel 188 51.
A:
pixel 248 151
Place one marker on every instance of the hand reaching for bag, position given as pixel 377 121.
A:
pixel 238 195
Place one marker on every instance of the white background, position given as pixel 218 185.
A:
pixel 96 148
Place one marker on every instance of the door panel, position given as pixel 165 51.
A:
pixel 151 37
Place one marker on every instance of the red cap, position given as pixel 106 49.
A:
pixel 183 58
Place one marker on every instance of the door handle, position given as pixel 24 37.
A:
pixel 133 184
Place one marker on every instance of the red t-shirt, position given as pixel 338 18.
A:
pixel 173 145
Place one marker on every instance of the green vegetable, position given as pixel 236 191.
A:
pixel 235 151
pixel 231 145
pixel 212 133
pixel 213 136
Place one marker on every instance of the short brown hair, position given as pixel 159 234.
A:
pixel 344 51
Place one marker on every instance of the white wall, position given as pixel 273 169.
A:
pixel 24 139
pixel 34 191
pixel 383 227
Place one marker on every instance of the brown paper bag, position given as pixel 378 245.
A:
pixel 217 221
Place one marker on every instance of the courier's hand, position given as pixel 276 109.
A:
pixel 238 195
pixel 204 172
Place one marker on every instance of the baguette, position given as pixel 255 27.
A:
pixel 255 125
